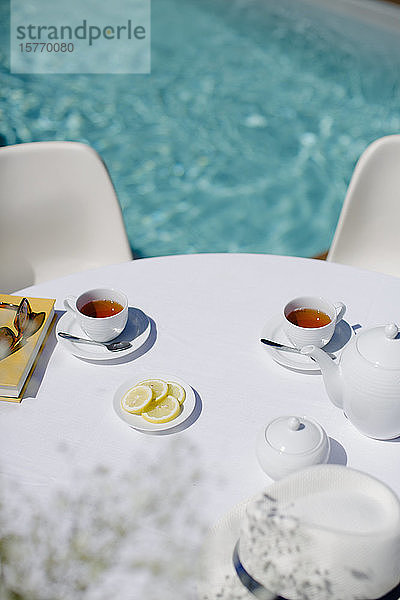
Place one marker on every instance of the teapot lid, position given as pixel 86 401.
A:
pixel 381 346
pixel 294 435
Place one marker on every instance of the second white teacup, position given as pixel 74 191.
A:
pixel 102 313
pixel 311 320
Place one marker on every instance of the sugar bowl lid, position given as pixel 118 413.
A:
pixel 294 435
pixel 291 443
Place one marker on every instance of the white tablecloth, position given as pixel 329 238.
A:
pixel 207 313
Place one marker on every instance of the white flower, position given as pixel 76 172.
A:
pixel 105 535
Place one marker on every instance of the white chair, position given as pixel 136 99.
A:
pixel 59 213
pixel 368 231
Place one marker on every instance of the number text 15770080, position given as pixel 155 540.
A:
pixel 46 47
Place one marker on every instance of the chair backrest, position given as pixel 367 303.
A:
pixel 59 213
pixel 368 231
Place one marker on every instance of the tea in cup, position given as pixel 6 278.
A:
pixel 102 313
pixel 311 320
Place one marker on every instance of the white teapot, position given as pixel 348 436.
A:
pixel 365 382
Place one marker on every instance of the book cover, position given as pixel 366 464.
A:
pixel 24 323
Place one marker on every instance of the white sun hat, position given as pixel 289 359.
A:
pixel 327 532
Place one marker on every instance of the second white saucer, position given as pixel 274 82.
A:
pixel 273 330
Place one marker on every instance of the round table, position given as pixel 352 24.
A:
pixel 206 312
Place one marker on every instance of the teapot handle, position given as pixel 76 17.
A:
pixel 340 310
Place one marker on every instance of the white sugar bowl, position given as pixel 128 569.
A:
pixel 288 444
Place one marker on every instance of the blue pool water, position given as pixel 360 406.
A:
pixel 244 136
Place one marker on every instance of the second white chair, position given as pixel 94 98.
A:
pixel 368 231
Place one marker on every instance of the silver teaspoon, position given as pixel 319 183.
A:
pixel 280 346
pixel 111 346
pixel 288 348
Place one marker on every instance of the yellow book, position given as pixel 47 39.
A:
pixel 24 324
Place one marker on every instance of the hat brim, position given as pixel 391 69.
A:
pixel 217 576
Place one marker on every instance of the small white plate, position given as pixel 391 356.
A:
pixel 273 330
pixel 137 331
pixel 136 421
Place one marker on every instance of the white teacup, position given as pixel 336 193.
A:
pixel 311 331
pixel 102 313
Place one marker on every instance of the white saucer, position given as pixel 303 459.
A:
pixel 136 332
pixel 136 421
pixel 273 330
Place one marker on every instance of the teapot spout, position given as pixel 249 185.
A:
pixel 331 373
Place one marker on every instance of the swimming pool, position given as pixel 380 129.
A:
pixel 244 136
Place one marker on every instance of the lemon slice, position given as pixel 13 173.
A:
pixel 159 387
pixel 137 399
pixel 163 411
pixel 177 391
